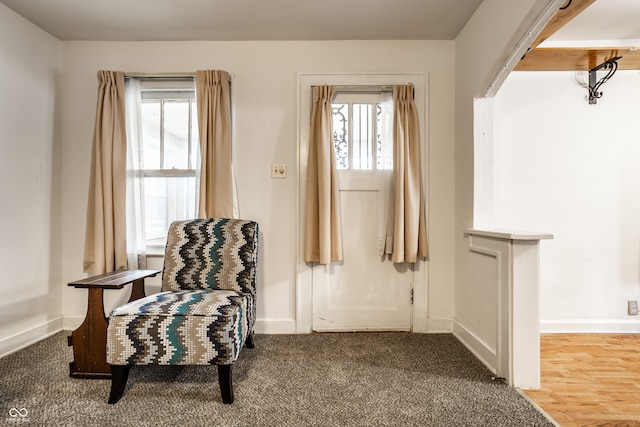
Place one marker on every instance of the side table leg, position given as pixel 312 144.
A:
pixel 137 290
pixel 90 341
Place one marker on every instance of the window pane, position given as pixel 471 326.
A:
pixel 384 143
pixel 150 130
pixel 155 211
pixel 195 136
pixel 168 152
pixel 167 199
pixel 362 136
pixel 176 134
pixel 340 134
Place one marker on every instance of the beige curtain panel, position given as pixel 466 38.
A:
pixel 323 234
pixel 216 183
pixel 409 225
pixel 105 247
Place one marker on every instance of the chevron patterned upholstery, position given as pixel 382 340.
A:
pixel 206 310
pixel 201 327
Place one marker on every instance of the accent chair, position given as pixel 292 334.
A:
pixel 205 312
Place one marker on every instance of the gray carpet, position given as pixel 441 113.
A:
pixel 365 379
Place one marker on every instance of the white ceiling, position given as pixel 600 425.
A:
pixel 604 23
pixel 133 20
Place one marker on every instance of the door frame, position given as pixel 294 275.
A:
pixel 304 276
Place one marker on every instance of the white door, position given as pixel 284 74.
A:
pixel 366 291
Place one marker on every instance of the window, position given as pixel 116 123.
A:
pixel 167 146
pixel 362 124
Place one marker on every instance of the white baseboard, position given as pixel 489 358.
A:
pixel 277 326
pixel 71 323
pixel 274 326
pixel 439 326
pixel 30 336
pixel 593 326
pixel 288 326
pixel 479 348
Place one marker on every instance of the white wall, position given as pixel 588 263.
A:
pixel 30 287
pixel 265 114
pixel 570 168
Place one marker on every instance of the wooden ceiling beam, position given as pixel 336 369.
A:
pixel 577 59
pixel 573 59
pixel 561 18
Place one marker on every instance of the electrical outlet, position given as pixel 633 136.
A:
pixel 278 170
pixel 632 308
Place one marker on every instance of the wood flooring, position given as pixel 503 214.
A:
pixel 590 379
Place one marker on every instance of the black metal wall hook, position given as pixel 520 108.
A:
pixel 611 65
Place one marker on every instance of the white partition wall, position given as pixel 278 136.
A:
pixel 511 263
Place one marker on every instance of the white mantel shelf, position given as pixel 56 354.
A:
pixel 508 234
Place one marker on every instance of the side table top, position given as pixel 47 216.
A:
pixel 113 280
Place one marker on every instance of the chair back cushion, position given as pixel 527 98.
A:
pixel 211 253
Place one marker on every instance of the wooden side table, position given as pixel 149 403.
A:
pixel 89 341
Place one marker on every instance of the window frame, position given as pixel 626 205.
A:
pixel 165 90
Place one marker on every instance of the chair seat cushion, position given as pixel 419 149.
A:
pixel 191 327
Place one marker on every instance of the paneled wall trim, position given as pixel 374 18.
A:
pixel 515 256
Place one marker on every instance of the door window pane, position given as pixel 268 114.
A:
pixel 362 134
pixel 384 143
pixel 340 134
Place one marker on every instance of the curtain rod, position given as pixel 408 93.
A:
pixel 165 75
pixel 363 88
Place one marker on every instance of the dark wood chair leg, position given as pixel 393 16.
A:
pixel 226 383
pixel 249 342
pixel 119 375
